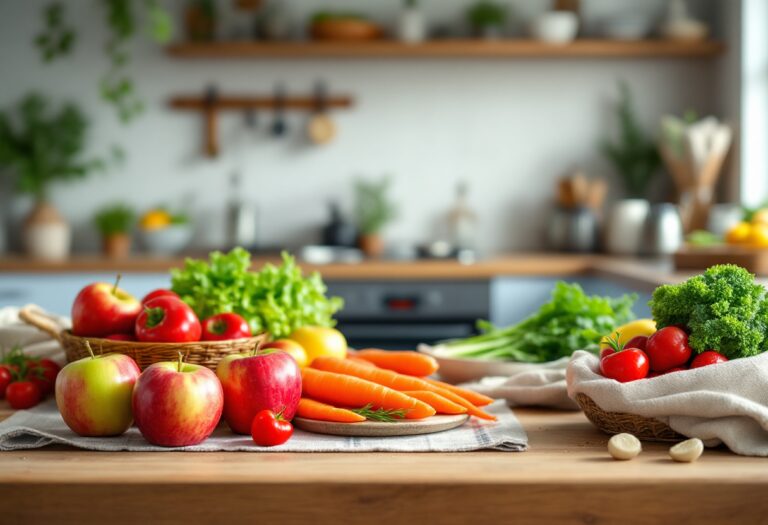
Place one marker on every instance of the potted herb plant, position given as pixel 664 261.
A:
pixel 114 223
pixel 373 210
pixel 487 19
pixel 635 158
pixel 40 146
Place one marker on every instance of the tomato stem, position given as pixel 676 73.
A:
pixel 613 342
pixel 155 316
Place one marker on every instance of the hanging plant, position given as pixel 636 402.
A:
pixel 122 17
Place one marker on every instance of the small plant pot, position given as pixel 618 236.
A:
pixel 372 245
pixel 47 235
pixel 116 246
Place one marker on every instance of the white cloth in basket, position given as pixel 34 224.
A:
pixel 35 342
pixel 723 403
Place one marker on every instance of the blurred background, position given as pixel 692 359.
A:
pixel 391 130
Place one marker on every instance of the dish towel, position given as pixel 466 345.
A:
pixel 36 343
pixel 540 385
pixel 723 403
pixel 43 426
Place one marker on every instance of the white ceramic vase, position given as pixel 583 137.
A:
pixel 411 27
pixel 47 235
pixel 625 226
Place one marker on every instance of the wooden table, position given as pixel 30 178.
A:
pixel 565 477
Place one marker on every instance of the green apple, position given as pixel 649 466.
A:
pixel 94 394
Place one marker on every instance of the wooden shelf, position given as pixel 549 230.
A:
pixel 585 48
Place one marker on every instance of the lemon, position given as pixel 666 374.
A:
pixel 758 236
pixel 739 233
pixel 155 220
pixel 320 341
pixel 625 332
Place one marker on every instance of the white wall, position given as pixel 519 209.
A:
pixel 511 127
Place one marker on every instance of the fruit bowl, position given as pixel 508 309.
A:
pixel 205 353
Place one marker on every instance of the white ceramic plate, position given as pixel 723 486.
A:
pixel 454 370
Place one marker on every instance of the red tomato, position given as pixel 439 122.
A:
pixel 709 357
pixel 225 326
pixel 167 319
pixel 160 292
pixel 605 352
pixel 43 373
pixel 121 337
pixel 627 365
pixel 5 379
pixel 639 341
pixel 269 429
pixel 23 394
pixel 668 348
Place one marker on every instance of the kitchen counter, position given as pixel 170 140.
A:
pixel 565 477
pixel 637 272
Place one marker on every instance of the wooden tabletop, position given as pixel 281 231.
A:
pixel 565 477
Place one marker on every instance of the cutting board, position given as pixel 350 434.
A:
pixel 406 427
pixel 753 259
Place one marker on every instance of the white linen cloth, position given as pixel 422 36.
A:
pixel 35 342
pixel 723 403
pixel 539 385
pixel 43 426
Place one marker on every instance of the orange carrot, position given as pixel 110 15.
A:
pixel 477 399
pixel 392 380
pixel 312 409
pixel 353 391
pixel 405 362
pixel 359 361
pixel 436 401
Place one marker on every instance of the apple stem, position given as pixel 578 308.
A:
pixel 181 360
pixel 90 350
pixel 117 281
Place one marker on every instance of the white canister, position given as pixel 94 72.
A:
pixel 625 226
pixel 46 234
pixel 411 27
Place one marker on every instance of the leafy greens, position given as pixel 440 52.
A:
pixel 570 321
pixel 277 299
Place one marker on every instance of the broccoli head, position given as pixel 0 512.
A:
pixel 723 309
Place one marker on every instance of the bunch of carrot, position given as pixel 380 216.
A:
pixel 336 389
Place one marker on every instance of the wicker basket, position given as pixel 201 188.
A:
pixel 205 353
pixel 645 428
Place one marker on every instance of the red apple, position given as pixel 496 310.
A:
pixel 177 404
pixel 94 394
pixel 101 309
pixel 263 380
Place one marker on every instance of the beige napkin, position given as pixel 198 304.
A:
pixel 723 403
pixel 36 343
pixel 538 385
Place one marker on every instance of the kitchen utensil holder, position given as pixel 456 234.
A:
pixel 211 103
pixel 205 353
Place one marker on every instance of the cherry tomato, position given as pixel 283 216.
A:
pixel 225 326
pixel 639 341
pixel 167 319
pixel 160 292
pixel 43 373
pixel 668 348
pixel 5 379
pixel 709 357
pixel 627 365
pixel 23 394
pixel 121 337
pixel 269 429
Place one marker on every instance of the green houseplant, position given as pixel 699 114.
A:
pixel 41 145
pixel 373 210
pixel 114 223
pixel 486 18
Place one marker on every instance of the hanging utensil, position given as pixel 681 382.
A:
pixel 320 127
pixel 211 122
pixel 279 126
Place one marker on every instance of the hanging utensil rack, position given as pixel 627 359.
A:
pixel 211 103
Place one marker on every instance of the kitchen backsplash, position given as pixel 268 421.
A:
pixel 507 127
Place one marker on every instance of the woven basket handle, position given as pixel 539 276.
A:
pixel 41 321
